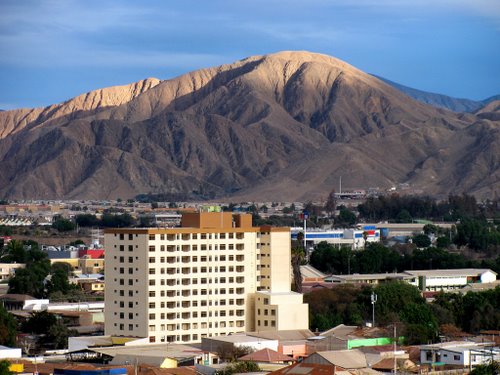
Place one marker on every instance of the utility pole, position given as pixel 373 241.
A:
pixel 305 214
pixel 374 300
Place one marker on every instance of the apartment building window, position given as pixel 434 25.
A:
pixel 122 315
pixel 152 305
pixel 152 293
pixel 122 247
pixel 122 293
pixel 152 316
pixel 122 270
pixel 130 304
pixel 122 326
pixel 152 271
pixel 152 282
pixel 130 293
pixel 130 282
pixel 130 271
pixel 152 259
pixel 152 328
pixel 122 236
pixel 130 247
pixel 203 236
pixel 122 259
pixel 151 237
pixel 151 248
pixel 122 304
pixel 122 282
pixel 131 315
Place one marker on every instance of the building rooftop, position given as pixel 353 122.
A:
pixel 266 355
pixel 371 276
pixel 309 271
pixel 348 359
pixel 175 351
pixel 238 338
pixel 289 335
pixel 450 272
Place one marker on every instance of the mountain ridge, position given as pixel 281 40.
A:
pixel 440 100
pixel 283 125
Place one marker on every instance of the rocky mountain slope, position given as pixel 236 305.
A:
pixel 15 120
pixel 280 127
pixel 440 100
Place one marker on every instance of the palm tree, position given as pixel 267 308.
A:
pixel 298 256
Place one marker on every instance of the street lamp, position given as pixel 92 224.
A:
pixel 374 300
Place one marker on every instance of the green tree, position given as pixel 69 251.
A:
pixel 110 220
pixel 63 225
pixel 492 368
pixel 14 252
pixel 346 218
pixel 38 322
pixel 421 240
pixel 87 220
pixel 240 368
pixel 51 328
pixel 443 242
pixel 8 328
pixel 404 217
pixel 331 203
pixel 298 257
pixel 5 367
pixel 31 279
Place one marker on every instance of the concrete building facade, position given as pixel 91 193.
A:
pixel 213 275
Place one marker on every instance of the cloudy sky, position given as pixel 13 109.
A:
pixel 52 50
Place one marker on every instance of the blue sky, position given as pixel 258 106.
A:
pixel 53 50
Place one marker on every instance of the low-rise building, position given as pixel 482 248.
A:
pixel 7 270
pixel 459 353
pixel 449 279
pixel 355 238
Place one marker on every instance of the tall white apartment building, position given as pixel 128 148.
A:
pixel 213 275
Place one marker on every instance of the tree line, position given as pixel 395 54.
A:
pixel 377 258
pixel 401 303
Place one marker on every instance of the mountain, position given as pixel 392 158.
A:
pixel 15 120
pixel 439 100
pixel 283 126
